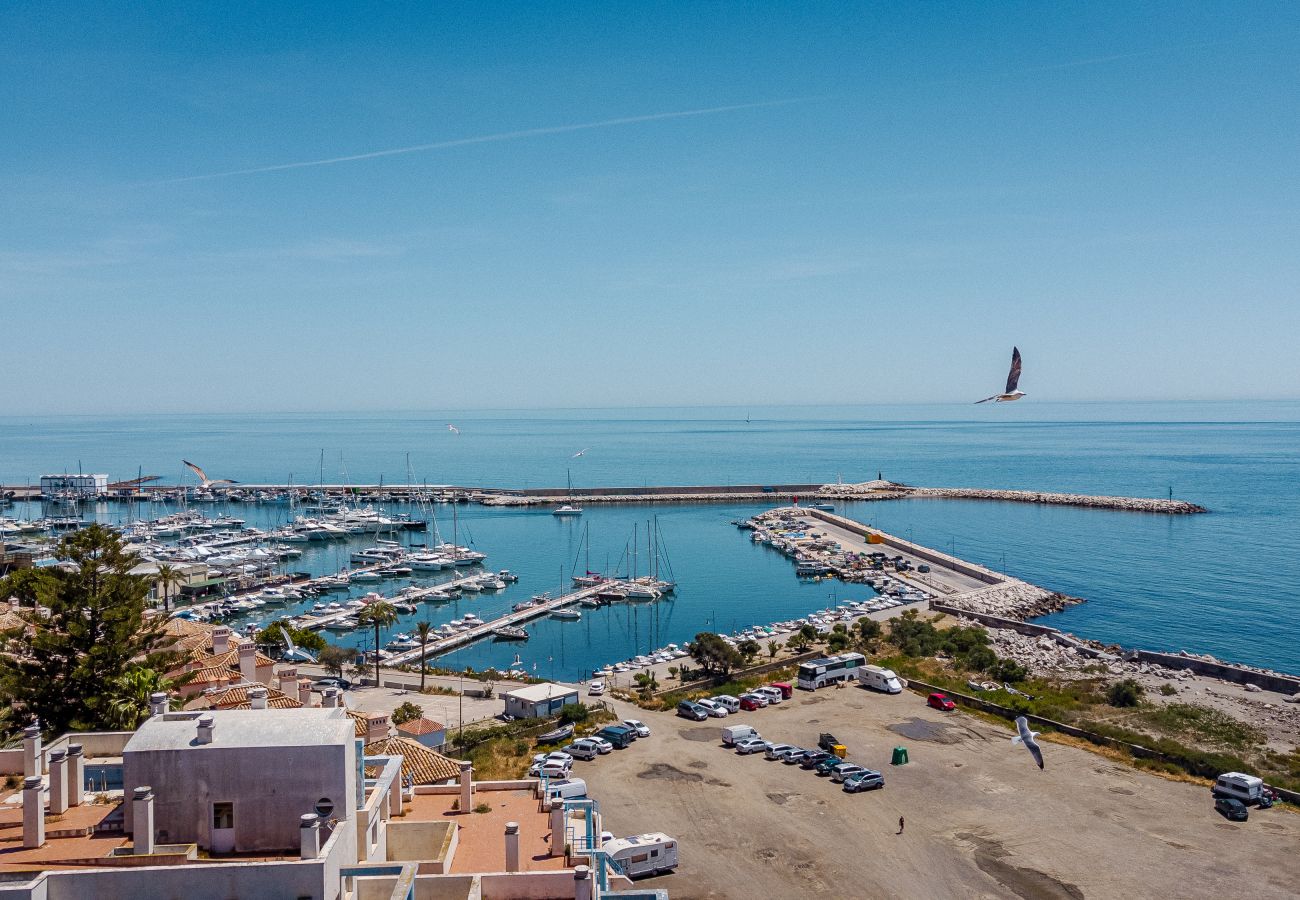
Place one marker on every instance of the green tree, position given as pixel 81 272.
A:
pixel 837 642
pixel 333 658
pixel 647 683
pixel 378 615
pixel 129 696
pixel 26 585
pixel 1124 693
pixel 166 575
pixel 302 637
pixel 978 659
pixel 809 635
pixel 1008 670
pixel 61 669
pixel 407 712
pixel 714 654
pixel 797 642
pixel 773 648
pixel 574 712
pixel 422 631
pixel 749 649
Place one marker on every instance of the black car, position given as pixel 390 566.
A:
pixel 1232 808
pixel 813 757
pixel 341 683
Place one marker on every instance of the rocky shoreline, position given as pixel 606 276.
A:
pixel 884 490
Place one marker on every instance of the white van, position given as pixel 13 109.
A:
pixel 643 854
pixel 733 733
pixel 1246 788
pixel 880 679
pixel 567 789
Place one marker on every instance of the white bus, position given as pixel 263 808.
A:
pixel 820 672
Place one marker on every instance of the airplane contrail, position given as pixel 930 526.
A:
pixel 486 139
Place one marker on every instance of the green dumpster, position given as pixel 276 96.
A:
pixel 900 757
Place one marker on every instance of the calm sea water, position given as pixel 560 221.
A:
pixel 1226 583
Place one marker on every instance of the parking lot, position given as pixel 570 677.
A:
pixel 981 819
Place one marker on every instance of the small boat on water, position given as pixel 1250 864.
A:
pixel 523 605
pixel 567 615
pixel 507 576
pixel 509 633
pixel 563 733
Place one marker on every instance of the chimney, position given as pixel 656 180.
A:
pixel 157 704
pixel 582 889
pixel 58 782
pixel 33 813
pixel 557 827
pixel 304 692
pixel 512 846
pixel 309 836
pixel 257 698
pixel 376 727
pixel 206 724
pixel 76 774
pixel 248 662
pixel 288 680
pixel 142 819
pixel 32 750
pixel 330 699
pixel 220 639
pixel 466 785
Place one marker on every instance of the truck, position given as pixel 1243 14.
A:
pixel 618 735
pixel 733 733
pixel 880 679
pixel 643 854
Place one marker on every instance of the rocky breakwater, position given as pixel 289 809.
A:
pixel 1012 599
pixel 888 490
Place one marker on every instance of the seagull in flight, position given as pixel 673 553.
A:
pixel 1013 379
pixel 206 482
pixel 1026 737
pixel 453 429
pixel 580 453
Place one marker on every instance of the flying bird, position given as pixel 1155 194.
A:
pixel 1026 737
pixel 206 482
pixel 453 429
pixel 580 452
pixel 1013 379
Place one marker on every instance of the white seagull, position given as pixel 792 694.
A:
pixel 1026 737
pixel 206 482
pixel 580 452
pixel 1013 379
pixel 453 429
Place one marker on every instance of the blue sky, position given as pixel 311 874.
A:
pixel 908 190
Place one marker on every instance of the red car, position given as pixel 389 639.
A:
pixel 940 701
pixel 747 704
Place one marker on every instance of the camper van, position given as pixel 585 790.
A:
pixel 733 733
pixel 1246 788
pixel 567 789
pixel 643 854
pixel 880 679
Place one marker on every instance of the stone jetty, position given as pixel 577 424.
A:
pixel 885 490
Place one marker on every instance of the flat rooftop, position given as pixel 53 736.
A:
pixel 245 728
pixel 57 851
pixel 481 844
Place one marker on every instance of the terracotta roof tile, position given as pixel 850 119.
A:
pixel 419 763
pixel 421 726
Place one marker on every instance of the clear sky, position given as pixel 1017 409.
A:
pixel 868 202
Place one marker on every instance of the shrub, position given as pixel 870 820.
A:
pixel 574 712
pixel 407 712
pixel 978 659
pixel 1168 689
pixel 1010 671
pixel 483 808
pixel 1124 693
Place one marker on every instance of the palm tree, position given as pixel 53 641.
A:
pixel 380 614
pixel 166 575
pixel 422 630
pixel 129 696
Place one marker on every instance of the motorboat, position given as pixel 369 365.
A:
pixel 523 605
pixel 509 633
pixel 507 576
pixel 567 615
pixel 567 510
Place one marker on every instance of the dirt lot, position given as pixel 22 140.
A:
pixel 981 819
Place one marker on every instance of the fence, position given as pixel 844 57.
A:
pixel 1136 750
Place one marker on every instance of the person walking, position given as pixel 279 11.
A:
pixel 900 824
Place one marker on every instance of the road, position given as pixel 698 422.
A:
pixel 981 819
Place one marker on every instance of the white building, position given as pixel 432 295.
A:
pixel 538 700
pixel 74 485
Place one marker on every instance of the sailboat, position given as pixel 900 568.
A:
pixel 568 509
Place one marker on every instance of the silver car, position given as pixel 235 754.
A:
pixel 751 745
pixel 845 770
pixel 776 751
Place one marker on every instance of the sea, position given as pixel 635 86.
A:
pixel 1225 583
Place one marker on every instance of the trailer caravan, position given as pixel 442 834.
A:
pixel 880 679
pixel 643 854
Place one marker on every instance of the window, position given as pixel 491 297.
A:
pixel 324 806
pixel 223 815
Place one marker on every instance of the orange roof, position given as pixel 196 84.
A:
pixel 421 726
pixel 361 722
pixel 419 763
pixel 237 698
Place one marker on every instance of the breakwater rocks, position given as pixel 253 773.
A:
pixel 884 490
pixel 1012 599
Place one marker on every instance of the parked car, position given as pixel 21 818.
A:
pixel 596 688
pixel 688 710
pixel 844 771
pixel 791 757
pixel 554 756
pixel 602 746
pixel 1246 788
pixel 321 684
pixel 727 702
pixel 786 689
pixel 772 694
pixel 940 701
pixel 752 701
pixel 733 733
pixel 715 709
pixel 567 789
pixel 619 736
pixel 582 749
pixel 548 770
pixel 776 751
pixel 749 745
pixel 813 757
pixel 1232 808
pixel 641 728
pixel 863 781
pixel 826 766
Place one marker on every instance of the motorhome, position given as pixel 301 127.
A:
pixel 880 679
pixel 643 854
pixel 1239 786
